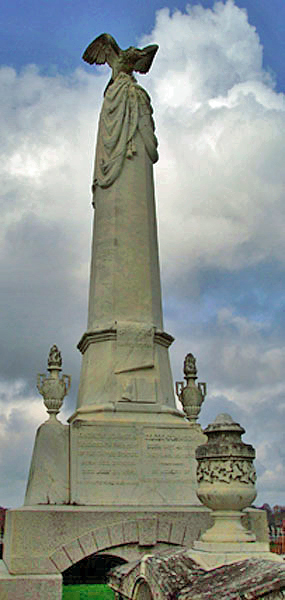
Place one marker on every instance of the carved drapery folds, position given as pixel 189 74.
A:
pixel 126 110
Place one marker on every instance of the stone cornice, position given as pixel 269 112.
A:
pixel 163 339
pixel 103 335
pixel 92 337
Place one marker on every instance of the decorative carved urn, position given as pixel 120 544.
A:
pixel 191 395
pixel 53 388
pixel 226 480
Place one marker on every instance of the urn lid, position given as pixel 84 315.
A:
pixel 224 422
pixel 224 440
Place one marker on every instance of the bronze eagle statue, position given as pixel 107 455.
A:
pixel 104 49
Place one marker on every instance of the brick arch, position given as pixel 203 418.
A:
pixel 146 532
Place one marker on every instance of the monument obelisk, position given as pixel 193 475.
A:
pixel 120 478
pixel 125 358
pixel 122 436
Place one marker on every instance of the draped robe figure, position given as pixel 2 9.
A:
pixel 126 112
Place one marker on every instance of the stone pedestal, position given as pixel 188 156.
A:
pixel 133 460
pixel 143 454
pixel 117 459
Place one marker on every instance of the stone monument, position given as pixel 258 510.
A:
pixel 129 444
pixel 121 475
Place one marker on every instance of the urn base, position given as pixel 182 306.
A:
pixel 227 528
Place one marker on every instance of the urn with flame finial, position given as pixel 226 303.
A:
pixel 191 395
pixel 53 388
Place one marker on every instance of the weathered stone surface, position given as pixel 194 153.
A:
pixel 61 560
pixel 255 520
pixel 226 484
pixel 29 587
pixel 164 574
pixel 74 551
pixel 102 538
pixel 131 533
pixel 168 575
pixel 36 536
pixel 250 578
pixel 164 529
pixel 88 544
pixel 177 533
pixel 116 533
pixel 133 463
pixel 48 481
pixel 147 531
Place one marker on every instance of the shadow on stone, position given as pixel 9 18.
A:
pixel 92 569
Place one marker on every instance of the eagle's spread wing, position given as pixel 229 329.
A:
pixel 146 56
pixel 103 49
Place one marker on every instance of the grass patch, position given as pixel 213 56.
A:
pixel 99 591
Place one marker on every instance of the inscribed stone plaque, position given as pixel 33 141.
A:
pixel 106 455
pixel 165 454
pixel 131 464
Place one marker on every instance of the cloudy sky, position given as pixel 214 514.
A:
pixel 217 89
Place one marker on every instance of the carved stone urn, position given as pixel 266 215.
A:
pixel 191 395
pixel 53 388
pixel 226 480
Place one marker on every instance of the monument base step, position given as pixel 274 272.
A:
pixel 29 587
pixel 48 539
